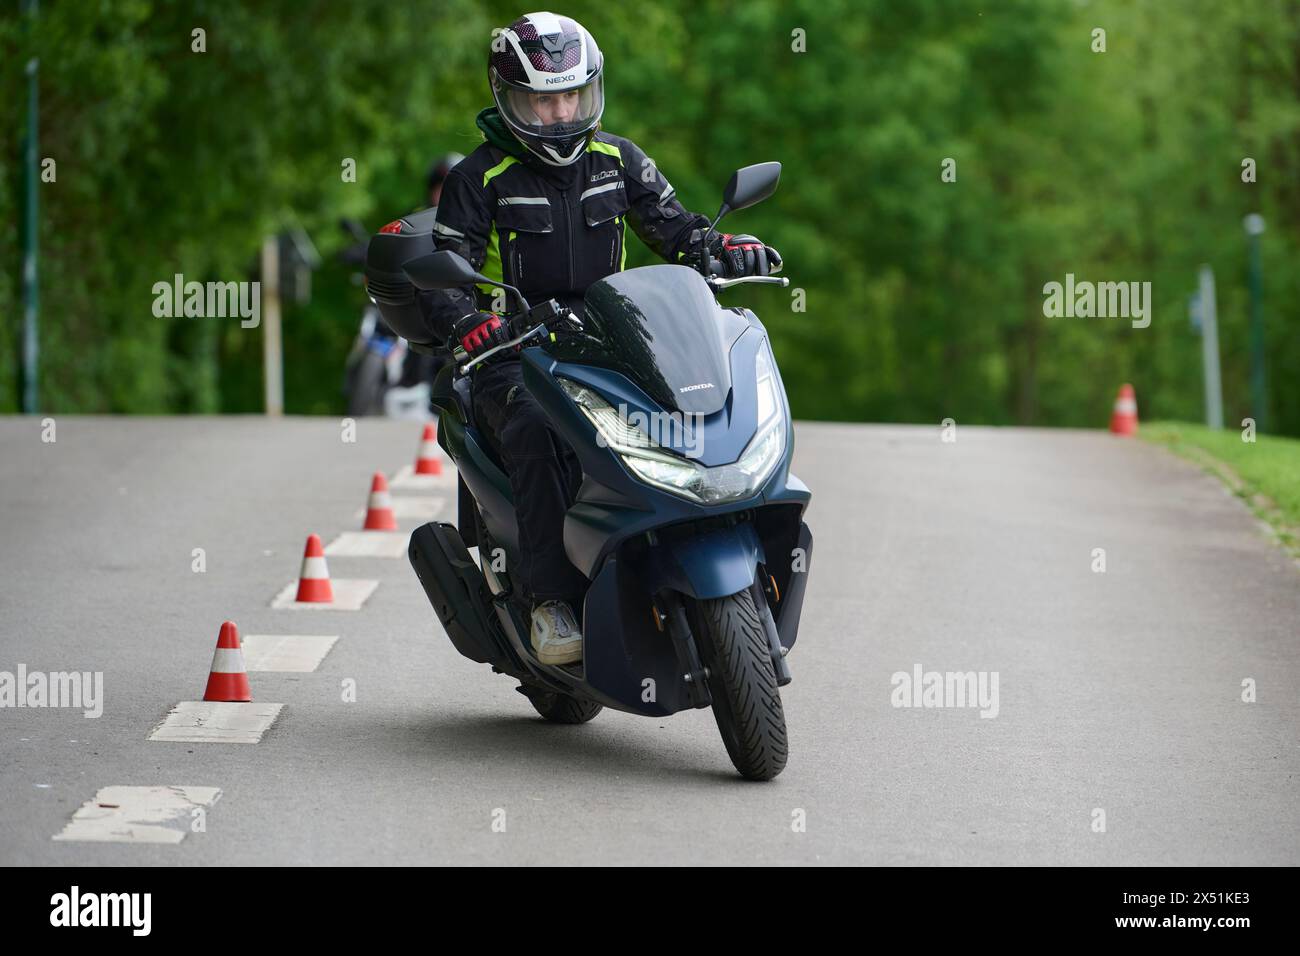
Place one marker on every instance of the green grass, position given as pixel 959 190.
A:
pixel 1264 473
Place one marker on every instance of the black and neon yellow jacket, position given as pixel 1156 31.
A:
pixel 550 231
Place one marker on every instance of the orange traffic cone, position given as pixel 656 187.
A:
pixel 228 680
pixel 427 461
pixel 314 582
pixel 1124 419
pixel 379 511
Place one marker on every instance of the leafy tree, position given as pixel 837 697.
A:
pixel 924 298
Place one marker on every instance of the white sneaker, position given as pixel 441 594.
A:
pixel 556 638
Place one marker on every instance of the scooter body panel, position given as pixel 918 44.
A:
pixel 636 542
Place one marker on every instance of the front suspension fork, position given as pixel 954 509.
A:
pixel 694 674
pixel 779 666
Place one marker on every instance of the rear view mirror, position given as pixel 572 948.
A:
pixel 747 187
pixel 441 270
pixel 449 270
pixel 750 185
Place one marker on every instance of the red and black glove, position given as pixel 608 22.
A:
pixel 480 331
pixel 744 255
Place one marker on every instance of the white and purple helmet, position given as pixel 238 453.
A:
pixel 550 63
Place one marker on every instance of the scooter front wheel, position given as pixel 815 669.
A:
pixel 746 701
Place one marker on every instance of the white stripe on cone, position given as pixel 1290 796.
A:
pixel 314 569
pixel 1126 406
pixel 380 500
pixel 228 660
pixel 428 449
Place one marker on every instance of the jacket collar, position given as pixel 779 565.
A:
pixel 497 134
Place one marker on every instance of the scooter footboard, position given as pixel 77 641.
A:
pixel 456 589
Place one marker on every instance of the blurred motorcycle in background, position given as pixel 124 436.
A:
pixel 382 376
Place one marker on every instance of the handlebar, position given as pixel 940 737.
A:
pixel 459 355
pixel 719 284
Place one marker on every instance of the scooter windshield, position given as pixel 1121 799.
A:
pixel 661 327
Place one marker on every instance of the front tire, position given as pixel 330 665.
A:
pixel 746 701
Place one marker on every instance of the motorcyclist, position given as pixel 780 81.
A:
pixel 544 205
pixel 382 375
pixel 437 175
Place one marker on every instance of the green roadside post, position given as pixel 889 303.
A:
pixel 1254 225
pixel 31 301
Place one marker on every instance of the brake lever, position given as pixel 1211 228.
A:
pixel 458 353
pixel 573 322
pixel 719 284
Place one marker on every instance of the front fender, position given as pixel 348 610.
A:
pixel 713 564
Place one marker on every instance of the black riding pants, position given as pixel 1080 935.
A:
pixel 544 477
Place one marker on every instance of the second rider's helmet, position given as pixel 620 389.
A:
pixel 438 171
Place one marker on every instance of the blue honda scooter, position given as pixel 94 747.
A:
pixel 688 524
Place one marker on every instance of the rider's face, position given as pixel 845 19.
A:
pixel 554 107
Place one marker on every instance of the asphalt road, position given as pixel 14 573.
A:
pixel 1118 691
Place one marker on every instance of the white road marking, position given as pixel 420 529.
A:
pixel 138 814
pixel 349 595
pixel 286 652
pixel 206 721
pixel 368 544
pixel 407 480
pixel 425 509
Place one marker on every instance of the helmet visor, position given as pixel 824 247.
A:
pixel 552 114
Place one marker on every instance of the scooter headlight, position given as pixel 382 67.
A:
pixel 681 476
pixel 767 446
